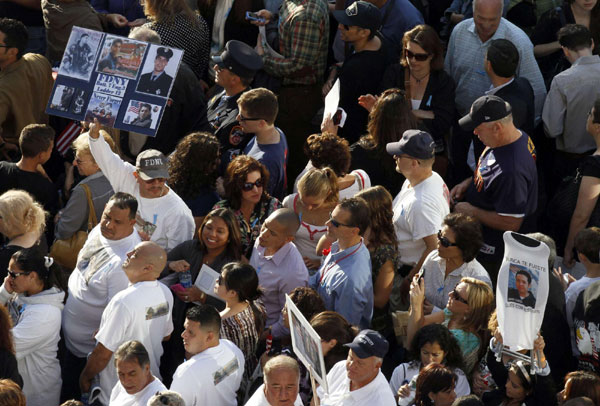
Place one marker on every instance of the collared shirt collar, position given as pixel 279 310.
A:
pixel 586 60
pixel 362 395
pixel 500 31
pixel 278 257
pixel 336 253
pixel 493 89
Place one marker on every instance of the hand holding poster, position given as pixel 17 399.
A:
pixel 522 290
pixel 306 343
pixel 124 83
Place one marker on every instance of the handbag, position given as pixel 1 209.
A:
pixel 65 252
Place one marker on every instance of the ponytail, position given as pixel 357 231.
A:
pixel 321 183
pixel 49 273
pixel 243 279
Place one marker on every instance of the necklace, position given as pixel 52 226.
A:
pixel 418 80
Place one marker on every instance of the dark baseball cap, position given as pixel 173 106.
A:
pixel 486 109
pixel 361 14
pixel 414 143
pixel 369 343
pixel 164 52
pixel 239 58
pixel 152 164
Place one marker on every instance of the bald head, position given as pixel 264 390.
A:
pixel 487 15
pixel 288 219
pixel 145 262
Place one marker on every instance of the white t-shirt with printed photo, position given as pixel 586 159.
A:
pixel 141 312
pixel 167 220
pixel 97 278
pixel 211 377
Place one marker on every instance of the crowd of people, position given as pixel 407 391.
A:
pixel 158 272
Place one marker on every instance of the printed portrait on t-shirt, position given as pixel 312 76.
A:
pixel 522 285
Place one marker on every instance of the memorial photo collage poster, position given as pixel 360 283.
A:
pixel 124 83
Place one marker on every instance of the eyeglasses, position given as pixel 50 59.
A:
pixel 444 241
pixel 242 118
pixel 248 186
pixel 220 280
pixel 337 224
pixel 418 57
pixel 456 296
pixel 14 275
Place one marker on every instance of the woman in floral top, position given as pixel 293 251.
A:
pixel 247 197
pixel 381 240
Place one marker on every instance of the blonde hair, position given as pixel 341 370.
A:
pixel 320 183
pixel 21 214
pixel 81 144
pixel 481 302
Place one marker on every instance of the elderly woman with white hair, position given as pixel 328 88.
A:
pixel 22 222
pixel 74 217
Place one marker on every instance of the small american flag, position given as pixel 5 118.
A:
pixel 134 108
pixel 65 139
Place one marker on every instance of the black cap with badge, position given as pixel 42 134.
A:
pixel 239 58
pixel 369 343
pixel 164 52
pixel 360 14
pixel 486 109
pixel 414 143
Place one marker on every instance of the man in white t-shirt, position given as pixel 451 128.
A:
pixel 587 244
pixel 419 208
pixel 162 215
pixel 358 380
pixel 282 384
pixel 213 374
pixel 141 312
pixel 97 277
pixel 136 383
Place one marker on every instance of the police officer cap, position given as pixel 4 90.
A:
pixel 239 58
pixel 164 52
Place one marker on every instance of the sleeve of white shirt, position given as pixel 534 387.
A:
pixel 180 228
pixel 187 385
pixel 33 329
pixel 425 220
pixel 462 384
pixel 118 172
pixel 555 108
pixel 397 378
pixel 115 322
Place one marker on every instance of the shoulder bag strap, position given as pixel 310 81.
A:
pixel 92 219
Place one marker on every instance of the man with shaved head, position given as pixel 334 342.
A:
pixel 279 265
pixel 141 312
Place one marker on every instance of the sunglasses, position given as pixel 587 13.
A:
pixel 220 280
pixel 248 186
pixel 418 57
pixel 337 224
pixel 242 118
pixel 14 275
pixel 444 241
pixel 456 296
